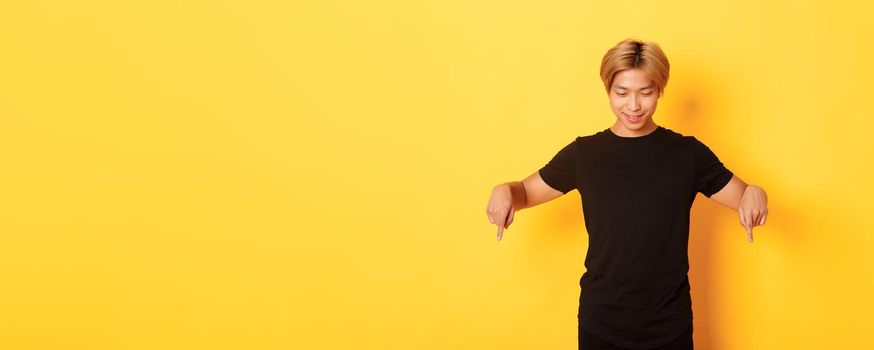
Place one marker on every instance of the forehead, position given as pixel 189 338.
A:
pixel 634 79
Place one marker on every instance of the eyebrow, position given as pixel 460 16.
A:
pixel 643 88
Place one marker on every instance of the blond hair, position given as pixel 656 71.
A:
pixel 633 53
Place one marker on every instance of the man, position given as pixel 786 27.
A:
pixel 637 181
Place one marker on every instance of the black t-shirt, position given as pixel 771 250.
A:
pixel 636 195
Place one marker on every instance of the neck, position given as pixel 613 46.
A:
pixel 620 129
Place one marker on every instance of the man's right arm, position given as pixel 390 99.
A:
pixel 531 192
pixel 537 191
pixel 507 198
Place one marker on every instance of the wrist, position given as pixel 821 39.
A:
pixel 501 187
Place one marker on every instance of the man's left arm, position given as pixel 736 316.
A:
pixel 750 202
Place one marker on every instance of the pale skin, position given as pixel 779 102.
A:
pixel 632 94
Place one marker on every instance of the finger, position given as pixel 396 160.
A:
pixel 749 233
pixel 500 220
pixel 764 217
pixel 510 219
pixel 750 223
pixel 490 217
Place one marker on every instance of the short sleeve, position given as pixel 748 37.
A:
pixel 710 174
pixel 558 173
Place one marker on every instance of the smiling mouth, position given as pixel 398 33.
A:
pixel 633 118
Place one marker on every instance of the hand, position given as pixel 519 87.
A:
pixel 500 208
pixel 753 209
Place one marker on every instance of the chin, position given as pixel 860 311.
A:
pixel 635 126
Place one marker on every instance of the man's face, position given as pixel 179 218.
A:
pixel 633 98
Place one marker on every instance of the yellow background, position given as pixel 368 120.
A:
pixel 314 174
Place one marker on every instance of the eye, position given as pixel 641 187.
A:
pixel 647 94
pixel 620 94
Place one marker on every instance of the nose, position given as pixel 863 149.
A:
pixel 634 104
